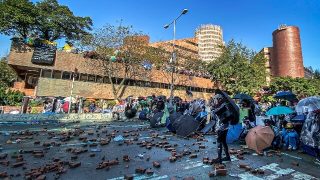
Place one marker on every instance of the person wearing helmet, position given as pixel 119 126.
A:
pixel 290 137
pixel 221 110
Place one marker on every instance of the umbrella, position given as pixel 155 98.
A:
pixel 298 118
pixel 234 108
pixel 308 104
pixel 242 96
pixel 130 113
pixel 234 133
pixel 287 95
pixel 279 110
pixel 259 138
pixel 185 125
pixel 155 120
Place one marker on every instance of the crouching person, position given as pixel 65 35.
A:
pixel 290 137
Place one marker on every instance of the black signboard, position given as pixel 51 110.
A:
pixel 44 54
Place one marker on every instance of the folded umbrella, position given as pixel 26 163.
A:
pixel 279 110
pixel 259 138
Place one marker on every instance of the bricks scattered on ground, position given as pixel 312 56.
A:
pixel 221 172
pixel 140 170
pixel 74 164
pixel 294 163
pixel 192 156
pixel 18 164
pixel 156 164
pixel 128 177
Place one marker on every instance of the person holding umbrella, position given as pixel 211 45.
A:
pixel 221 109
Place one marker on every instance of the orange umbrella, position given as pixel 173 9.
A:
pixel 259 138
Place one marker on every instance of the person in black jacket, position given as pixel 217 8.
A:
pixel 221 109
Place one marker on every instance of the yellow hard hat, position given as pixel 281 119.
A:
pixel 289 125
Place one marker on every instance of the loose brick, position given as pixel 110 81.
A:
pixel 253 171
pixel 202 147
pixel 260 171
pixel 240 157
pixel 41 177
pixel 149 172
pixel 172 159
pixel 18 164
pixel 221 172
pixel 3 174
pixel 242 165
pixel 92 155
pixel 212 173
pixel 140 170
pixel 5 162
pixel 74 164
pixel 38 155
pixel 188 178
pixel 156 164
pixel 192 156
pixel 128 177
pixel 247 168
pixel 294 163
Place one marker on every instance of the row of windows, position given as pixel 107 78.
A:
pixel 48 73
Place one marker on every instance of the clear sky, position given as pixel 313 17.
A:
pixel 248 21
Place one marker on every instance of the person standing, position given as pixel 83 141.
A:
pixel 222 110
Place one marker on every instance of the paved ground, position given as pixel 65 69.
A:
pixel 64 145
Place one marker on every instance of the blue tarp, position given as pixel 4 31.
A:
pixel 234 132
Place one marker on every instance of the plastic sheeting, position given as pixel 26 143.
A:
pixel 310 134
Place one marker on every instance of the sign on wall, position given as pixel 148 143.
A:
pixel 44 54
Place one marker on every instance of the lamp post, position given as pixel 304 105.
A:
pixel 70 100
pixel 173 58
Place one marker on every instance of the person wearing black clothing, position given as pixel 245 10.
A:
pixel 225 115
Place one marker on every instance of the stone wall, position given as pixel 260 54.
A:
pixel 59 87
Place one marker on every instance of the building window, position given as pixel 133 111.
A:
pixel 66 75
pixel 57 74
pixel 91 78
pixel 46 73
pixel 76 76
pixel 83 77
pixel 106 80
pixel 99 79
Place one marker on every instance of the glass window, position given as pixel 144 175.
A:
pixel 46 73
pixel 76 76
pixel 91 78
pixel 57 74
pixel 99 79
pixel 66 75
pixel 83 77
pixel 106 80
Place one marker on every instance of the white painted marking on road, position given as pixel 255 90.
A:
pixel 234 158
pixel 274 167
pixel 193 164
pixel 248 176
pixel 302 176
pixel 141 177
pixel 295 157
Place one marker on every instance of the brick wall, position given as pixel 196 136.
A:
pixel 59 87
pixel 20 55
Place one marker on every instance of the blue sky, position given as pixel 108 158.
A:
pixel 248 21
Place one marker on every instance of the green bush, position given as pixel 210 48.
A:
pixel 10 98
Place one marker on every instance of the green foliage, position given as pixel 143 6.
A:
pixel 10 98
pixel 7 75
pixel 300 86
pixel 35 103
pixel 46 19
pixel 239 69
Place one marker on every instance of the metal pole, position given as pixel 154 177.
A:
pixel 173 61
pixel 70 101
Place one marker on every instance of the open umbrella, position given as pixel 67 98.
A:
pixel 185 125
pixel 234 133
pixel 287 95
pixel 242 96
pixel 308 104
pixel 234 108
pixel 279 110
pixel 259 138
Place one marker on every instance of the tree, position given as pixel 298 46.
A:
pixel 120 51
pixel 316 74
pixel 239 69
pixel 302 87
pixel 17 18
pixel 56 21
pixel 7 75
pixel 46 19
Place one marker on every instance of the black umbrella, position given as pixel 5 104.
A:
pixel 174 116
pixel 156 118
pixel 233 108
pixel 287 95
pixel 130 113
pixel 185 125
pixel 243 96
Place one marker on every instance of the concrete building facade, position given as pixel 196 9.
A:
pixel 209 41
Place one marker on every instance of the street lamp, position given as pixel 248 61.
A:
pixel 173 58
